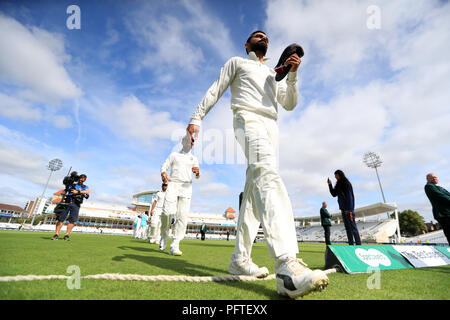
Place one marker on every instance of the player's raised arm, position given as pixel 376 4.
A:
pixel 227 74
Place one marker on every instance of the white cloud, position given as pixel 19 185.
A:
pixel 21 109
pixel 171 42
pixel 14 108
pixel 133 120
pixel 25 159
pixel 61 121
pixel 33 59
pixel 112 34
pixel 335 32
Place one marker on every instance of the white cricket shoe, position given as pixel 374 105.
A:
pixel 295 280
pixel 245 266
pixel 152 241
pixel 175 251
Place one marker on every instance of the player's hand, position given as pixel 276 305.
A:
pixel 294 60
pixel 165 177
pixel 196 170
pixel 328 181
pixel 193 131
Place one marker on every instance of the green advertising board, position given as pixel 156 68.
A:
pixel 364 258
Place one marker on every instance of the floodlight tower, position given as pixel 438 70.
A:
pixel 53 165
pixel 373 160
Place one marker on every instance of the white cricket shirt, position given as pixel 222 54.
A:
pixel 180 165
pixel 253 88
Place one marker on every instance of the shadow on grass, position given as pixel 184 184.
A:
pixel 147 250
pixel 183 267
pixel 207 243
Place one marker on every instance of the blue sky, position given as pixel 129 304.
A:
pixel 112 98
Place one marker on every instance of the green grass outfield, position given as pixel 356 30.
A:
pixel 25 253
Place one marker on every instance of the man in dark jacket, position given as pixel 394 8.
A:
pixel 203 231
pixel 440 201
pixel 325 221
pixel 346 200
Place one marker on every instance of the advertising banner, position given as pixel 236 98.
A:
pixel 444 249
pixel 423 256
pixel 364 258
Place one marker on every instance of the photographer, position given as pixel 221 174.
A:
pixel 74 196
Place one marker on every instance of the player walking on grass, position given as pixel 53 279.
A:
pixel 155 212
pixel 178 195
pixel 136 226
pixel 254 97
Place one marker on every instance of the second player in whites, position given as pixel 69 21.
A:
pixel 177 201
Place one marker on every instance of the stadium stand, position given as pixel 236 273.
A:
pixel 380 231
pixel 435 237
pixel 371 231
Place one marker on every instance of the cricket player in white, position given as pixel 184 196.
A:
pixel 178 195
pixel 254 97
pixel 155 212
pixel 136 226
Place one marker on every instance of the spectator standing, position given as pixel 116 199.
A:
pixel 346 200
pixel 326 222
pixel 440 201
pixel 203 230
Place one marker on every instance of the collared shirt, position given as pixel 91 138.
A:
pixel 180 165
pixel 253 88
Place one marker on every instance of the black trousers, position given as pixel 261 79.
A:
pixel 327 234
pixel 203 235
pixel 350 227
pixel 445 225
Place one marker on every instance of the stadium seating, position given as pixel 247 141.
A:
pixel 437 237
pixel 371 231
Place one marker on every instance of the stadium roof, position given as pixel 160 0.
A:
pixel 144 192
pixel 371 210
pixel 9 207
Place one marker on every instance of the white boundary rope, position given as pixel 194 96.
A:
pixel 137 277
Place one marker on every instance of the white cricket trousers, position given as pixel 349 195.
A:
pixel 136 231
pixel 176 204
pixel 155 225
pixel 265 200
pixel 142 233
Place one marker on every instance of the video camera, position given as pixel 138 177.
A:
pixel 71 179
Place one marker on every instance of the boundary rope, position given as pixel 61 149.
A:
pixel 137 277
